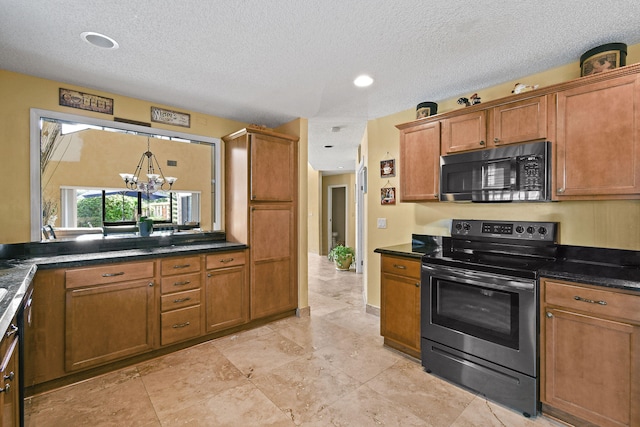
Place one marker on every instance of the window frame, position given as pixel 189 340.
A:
pixel 37 114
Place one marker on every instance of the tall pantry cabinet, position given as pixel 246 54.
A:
pixel 261 192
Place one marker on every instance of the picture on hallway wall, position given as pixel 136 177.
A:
pixel 387 168
pixel 388 196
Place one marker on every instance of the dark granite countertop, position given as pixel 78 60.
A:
pixel 19 263
pixel 610 268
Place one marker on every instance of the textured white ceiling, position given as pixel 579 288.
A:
pixel 268 62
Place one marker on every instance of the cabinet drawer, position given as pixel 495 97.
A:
pixel 180 300
pixel 110 273
pixel 225 259
pixel 401 266
pixel 180 265
pixel 181 324
pixel 596 301
pixel 179 283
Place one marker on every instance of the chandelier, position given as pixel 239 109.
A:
pixel 155 181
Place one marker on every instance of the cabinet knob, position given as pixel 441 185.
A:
pixel 496 139
pixel 561 190
pixel 6 388
pixel 549 314
pixel 151 284
pixel 10 376
pixel 481 142
pixel 417 284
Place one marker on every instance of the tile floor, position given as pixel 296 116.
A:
pixel 329 369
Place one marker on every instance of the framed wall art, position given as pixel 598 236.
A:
pixel 169 117
pixel 388 195
pixel 387 168
pixel 85 101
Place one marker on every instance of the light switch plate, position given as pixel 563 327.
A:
pixel 382 222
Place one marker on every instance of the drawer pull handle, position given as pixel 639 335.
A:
pixel 181 325
pixel 182 266
pixel 179 300
pixel 186 282
pixel 401 267
pixel 10 376
pixel 12 330
pixel 226 260
pixel 590 301
pixel 120 273
pixel 5 389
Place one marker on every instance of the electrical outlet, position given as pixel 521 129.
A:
pixel 382 222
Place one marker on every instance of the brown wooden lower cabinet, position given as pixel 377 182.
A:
pixel 590 354
pixel 87 319
pixel 400 303
pixel 10 377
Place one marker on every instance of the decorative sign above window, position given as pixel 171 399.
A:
pixel 85 101
pixel 160 115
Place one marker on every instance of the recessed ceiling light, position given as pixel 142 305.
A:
pixel 99 40
pixel 363 81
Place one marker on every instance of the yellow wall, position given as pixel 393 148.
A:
pixel 348 180
pixel 313 202
pixel 612 224
pixel 18 94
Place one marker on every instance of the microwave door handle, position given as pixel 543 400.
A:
pixel 513 183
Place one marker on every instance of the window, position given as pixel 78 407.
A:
pixel 87 154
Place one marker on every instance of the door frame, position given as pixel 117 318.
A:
pixel 330 213
pixel 361 189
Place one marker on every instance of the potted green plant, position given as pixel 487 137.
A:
pixel 145 226
pixel 342 256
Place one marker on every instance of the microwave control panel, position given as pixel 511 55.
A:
pixel 531 171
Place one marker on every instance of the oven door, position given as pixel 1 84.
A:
pixel 488 316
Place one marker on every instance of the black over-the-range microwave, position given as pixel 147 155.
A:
pixel 512 173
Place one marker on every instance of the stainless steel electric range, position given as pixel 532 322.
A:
pixel 479 298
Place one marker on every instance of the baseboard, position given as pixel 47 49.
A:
pixel 303 312
pixel 371 309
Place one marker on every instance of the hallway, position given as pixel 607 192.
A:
pixel 329 369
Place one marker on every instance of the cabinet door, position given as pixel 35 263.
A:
pixel 420 163
pixel 464 133
pixel 400 311
pixel 520 121
pixel 227 298
pixel 10 383
pixel 598 149
pixel 108 322
pixel 272 168
pixel 273 260
pixel 591 367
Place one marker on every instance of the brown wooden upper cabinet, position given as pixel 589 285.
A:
pixel 509 123
pixel 519 121
pixel 271 177
pixel 597 141
pixel 420 162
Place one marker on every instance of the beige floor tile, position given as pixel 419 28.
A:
pixel 262 354
pixel 187 377
pixel 482 412
pixel 244 405
pixel 430 398
pixel 364 407
pixel 305 386
pixel 313 332
pixel 115 399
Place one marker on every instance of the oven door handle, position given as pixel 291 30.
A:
pixel 480 278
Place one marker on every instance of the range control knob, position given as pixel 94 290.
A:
pixel 458 226
pixel 531 229
pixel 519 229
pixel 542 230
pixel 466 226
